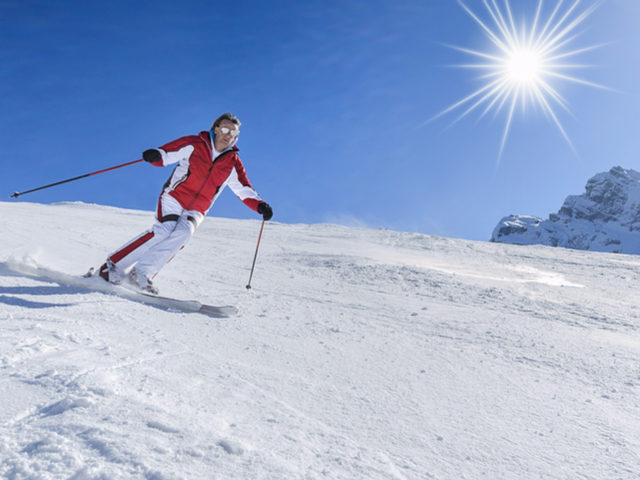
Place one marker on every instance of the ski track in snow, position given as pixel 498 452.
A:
pixel 358 353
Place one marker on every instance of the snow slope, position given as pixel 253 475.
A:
pixel 358 354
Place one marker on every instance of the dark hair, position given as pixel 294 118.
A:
pixel 226 116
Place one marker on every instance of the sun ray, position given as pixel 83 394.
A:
pixel 555 95
pixel 559 46
pixel 549 40
pixel 511 22
pixel 535 23
pixel 499 20
pixel 514 101
pixel 527 59
pixel 495 58
pixel 484 98
pixel 575 52
pixel 547 108
pixel 578 80
pixel 500 94
pixel 494 38
pixel 549 20
pixel 465 100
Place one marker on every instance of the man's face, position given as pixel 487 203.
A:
pixel 223 140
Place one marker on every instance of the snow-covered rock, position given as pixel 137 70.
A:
pixel 605 218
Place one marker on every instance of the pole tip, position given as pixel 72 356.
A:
pixel 248 287
pixel 15 195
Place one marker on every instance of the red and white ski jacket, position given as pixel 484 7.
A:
pixel 199 178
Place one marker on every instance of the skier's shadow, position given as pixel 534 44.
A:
pixel 21 302
pixel 8 294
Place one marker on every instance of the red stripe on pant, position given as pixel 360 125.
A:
pixel 123 252
pixel 159 209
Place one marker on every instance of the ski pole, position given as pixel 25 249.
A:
pixel 255 256
pixel 17 194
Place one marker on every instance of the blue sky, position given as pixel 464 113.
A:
pixel 334 96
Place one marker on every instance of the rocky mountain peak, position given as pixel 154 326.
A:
pixel 604 218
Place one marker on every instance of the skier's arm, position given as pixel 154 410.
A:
pixel 160 158
pixel 172 152
pixel 239 183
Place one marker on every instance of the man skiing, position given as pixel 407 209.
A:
pixel 207 162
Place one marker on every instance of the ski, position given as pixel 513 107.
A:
pixel 188 305
pixel 89 281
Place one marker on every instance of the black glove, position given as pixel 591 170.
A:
pixel 152 155
pixel 265 210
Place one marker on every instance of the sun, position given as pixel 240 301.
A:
pixel 525 63
pixel 524 66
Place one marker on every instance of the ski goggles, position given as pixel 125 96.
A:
pixel 227 131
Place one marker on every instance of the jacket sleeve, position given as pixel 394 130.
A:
pixel 176 151
pixel 239 183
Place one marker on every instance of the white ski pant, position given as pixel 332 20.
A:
pixel 153 249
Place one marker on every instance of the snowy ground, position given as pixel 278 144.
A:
pixel 358 354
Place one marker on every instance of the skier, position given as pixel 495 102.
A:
pixel 207 162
